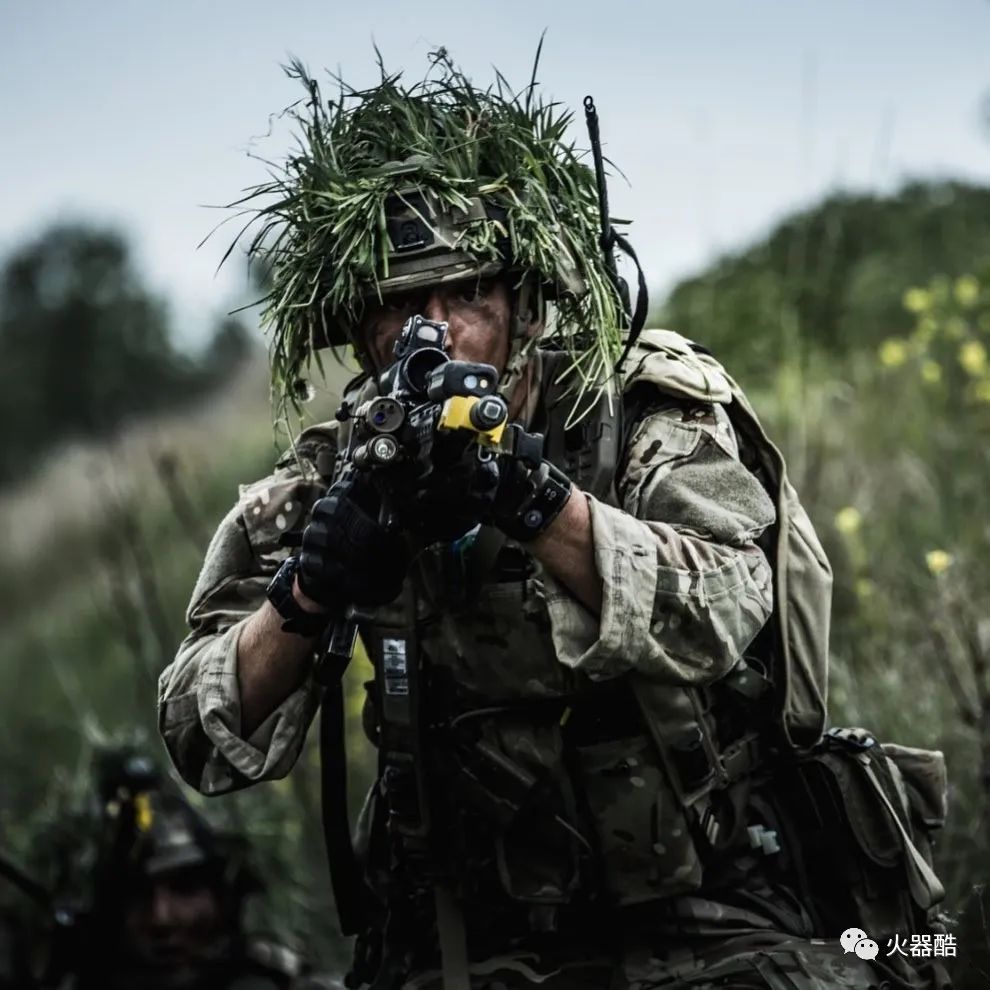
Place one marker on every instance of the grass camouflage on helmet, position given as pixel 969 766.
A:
pixel 396 187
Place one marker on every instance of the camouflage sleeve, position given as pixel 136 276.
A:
pixel 198 698
pixel 685 586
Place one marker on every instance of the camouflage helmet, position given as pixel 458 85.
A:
pixel 424 245
pixel 400 187
pixel 170 836
pixel 423 242
pixel 149 829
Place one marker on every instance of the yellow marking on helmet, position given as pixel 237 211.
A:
pixel 143 815
pixel 456 415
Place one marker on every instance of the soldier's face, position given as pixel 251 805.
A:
pixel 476 312
pixel 173 920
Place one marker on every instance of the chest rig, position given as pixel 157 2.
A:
pixel 622 800
pixel 443 759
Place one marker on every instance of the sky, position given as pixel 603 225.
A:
pixel 723 115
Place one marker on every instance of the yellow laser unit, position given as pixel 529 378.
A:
pixel 484 415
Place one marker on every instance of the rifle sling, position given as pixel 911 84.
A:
pixel 346 879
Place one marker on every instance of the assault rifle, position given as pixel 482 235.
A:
pixel 424 398
pixel 423 395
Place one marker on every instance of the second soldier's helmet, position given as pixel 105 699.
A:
pixel 150 830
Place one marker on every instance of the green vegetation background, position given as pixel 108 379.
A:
pixel 860 328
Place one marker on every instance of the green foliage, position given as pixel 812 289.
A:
pixel 860 329
pixel 94 609
pixel 86 345
pixel 830 280
pixel 320 223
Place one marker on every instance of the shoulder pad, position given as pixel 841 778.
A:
pixel 319 442
pixel 317 445
pixel 667 360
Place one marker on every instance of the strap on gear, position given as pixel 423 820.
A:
pixel 638 320
pixel 453 940
pixel 695 764
pixel 349 890
pixel 587 452
pixel 611 239
pixel 402 775
pixel 521 344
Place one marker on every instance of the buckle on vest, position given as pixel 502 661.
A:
pixel 858 740
pixel 691 760
pixel 746 680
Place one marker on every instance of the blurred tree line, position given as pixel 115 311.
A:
pixel 86 344
pixel 860 328
pixel 829 281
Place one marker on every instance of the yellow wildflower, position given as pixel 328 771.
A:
pixel 973 358
pixel 847 520
pixel 967 290
pixel 938 561
pixel 893 352
pixel 917 300
pixel 931 372
pixel 143 815
pixel 864 588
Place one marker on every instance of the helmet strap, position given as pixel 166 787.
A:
pixel 527 305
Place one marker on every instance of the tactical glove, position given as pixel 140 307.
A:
pixel 516 490
pixel 347 556
pixel 530 495
pixel 457 493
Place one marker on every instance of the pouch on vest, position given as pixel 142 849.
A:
pixel 512 775
pixel 860 818
pixel 653 795
pixel 646 844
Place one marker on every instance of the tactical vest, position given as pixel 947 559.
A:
pixel 572 790
pixel 514 784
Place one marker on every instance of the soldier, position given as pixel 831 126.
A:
pixel 158 901
pixel 600 668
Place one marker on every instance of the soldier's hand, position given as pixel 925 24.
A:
pixel 529 496
pixel 457 493
pixel 347 556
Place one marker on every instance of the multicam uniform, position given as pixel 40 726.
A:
pixel 686 588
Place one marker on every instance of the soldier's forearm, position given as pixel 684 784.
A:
pixel 567 550
pixel 271 663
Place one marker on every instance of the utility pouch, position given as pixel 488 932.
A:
pixel 860 816
pixel 923 774
pixel 647 847
pixel 648 776
pixel 509 776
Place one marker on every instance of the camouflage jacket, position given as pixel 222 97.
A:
pixel 685 590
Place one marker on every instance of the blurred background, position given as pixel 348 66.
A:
pixel 810 190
